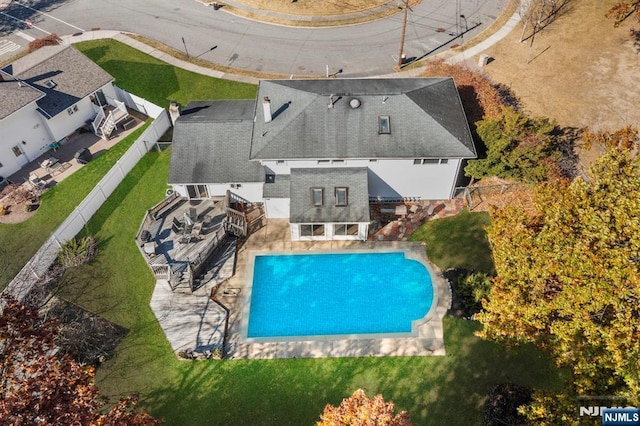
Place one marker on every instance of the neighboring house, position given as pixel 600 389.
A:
pixel 46 96
pixel 319 151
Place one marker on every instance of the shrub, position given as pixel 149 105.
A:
pixel 49 40
pixel 473 288
pixel 77 251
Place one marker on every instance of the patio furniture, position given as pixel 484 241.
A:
pixel 52 165
pixel 36 182
pixel 197 229
pixel 83 156
pixel 193 213
pixel 150 248
pixel 177 226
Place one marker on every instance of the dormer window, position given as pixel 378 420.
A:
pixel 317 196
pixel 384 125
pixel 341 196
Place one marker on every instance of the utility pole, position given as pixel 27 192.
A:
pixel 404 30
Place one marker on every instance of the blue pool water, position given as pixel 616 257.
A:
pixel 329 294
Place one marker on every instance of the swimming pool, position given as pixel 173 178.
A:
pixel 337 294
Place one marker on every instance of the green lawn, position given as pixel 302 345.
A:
pixel 20 241
pixel 458 242
pixel 158 81
pixel 118 285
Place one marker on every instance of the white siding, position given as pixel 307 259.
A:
pixel 392 178
pixel 251 191
pixel 401 178
pixel 277 208
pixel 24 125
pixel 64 124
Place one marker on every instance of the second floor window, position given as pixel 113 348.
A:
pixel 317 196
pixel 341 196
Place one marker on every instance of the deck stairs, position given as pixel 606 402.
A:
pixel 243 217
pixel 181 278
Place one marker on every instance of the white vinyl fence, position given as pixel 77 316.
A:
pixel 39 264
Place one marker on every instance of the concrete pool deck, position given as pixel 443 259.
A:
pixel 274 237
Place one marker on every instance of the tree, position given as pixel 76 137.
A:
pixel 518 147
pixel 359 410
pixel 501 406
pixel 480 97
pixel 568 281
pixel 40 386
pixel 623 10
pixel 537 14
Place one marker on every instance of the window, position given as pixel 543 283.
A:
pixel 337 161
pixel 16 151
pixel 280 162
pixel 324 161
pixel 72 109
pixel 341 196
pixel 384 125
pixel 342 229
pixel 197 191
pixel 444 161
pixel 373 160
pixel 312 230
pixel 417 161
pixel 236 186
pixel 317 196
pixel 430 161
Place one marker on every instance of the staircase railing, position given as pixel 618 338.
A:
pixel 95 124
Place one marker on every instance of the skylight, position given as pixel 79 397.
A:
pixel 384 125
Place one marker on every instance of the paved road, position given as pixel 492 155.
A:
pixel 359 50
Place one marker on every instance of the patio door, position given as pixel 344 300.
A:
pixel 99 98
pixel 197 191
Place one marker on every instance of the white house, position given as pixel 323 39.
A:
pixel 319 151
pixel 47 95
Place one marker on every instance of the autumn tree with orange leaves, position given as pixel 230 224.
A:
pixel 39 386
pixel 360 410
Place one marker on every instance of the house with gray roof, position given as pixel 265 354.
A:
pixel 318 152
pixel 47 95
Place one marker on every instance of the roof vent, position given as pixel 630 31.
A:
pixel 50 84
pixel 354 103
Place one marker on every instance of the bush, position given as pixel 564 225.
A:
pixel 473 288
pixel 519 147
pixel 77 251
pixel 49 40
pixel 501 406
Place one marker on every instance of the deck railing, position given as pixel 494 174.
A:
pixel 162 271
pixel 198 262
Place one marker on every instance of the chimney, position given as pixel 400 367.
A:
pixel 266 106
pixel 330 102
pixel 174 112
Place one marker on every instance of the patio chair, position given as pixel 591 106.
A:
pixel 177 226
pixel 36 182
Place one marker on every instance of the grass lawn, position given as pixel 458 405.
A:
pixel 158 81
pixel 118 285
pixel 20 241
pixel 458 242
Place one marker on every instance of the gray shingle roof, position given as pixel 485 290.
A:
pixel 15 95
pixel 278 189
pixel 302 180
pixel 211 143
pixel 75 76
pixel 425 114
